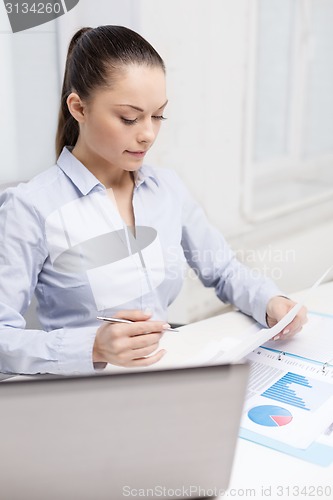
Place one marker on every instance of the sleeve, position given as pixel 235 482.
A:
pixel 216 265
pixel 22 255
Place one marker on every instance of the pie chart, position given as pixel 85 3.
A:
pixel 270 416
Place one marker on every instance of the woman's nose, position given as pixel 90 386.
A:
pixel 147 133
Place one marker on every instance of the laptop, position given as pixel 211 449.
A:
pixel 157 434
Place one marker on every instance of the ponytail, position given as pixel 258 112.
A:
pixel 68 127
pixel 94 56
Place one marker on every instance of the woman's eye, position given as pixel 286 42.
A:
pixel 159 117
pixel 129 122
pixel 132 122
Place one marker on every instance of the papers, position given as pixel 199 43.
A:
pixel 295 379
pixel 308 344
pixel 286 401
pixel 259 337
pixel 293 402
pixel 237 348
pixel 317 453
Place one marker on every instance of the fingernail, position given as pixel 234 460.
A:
pixel 277 337
pixel 166 326
pixel 285 332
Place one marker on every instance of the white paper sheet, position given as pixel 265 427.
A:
pixel 260 337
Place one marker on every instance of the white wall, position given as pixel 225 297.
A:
pixel 204 47
pixel 8 138
pixel 29 99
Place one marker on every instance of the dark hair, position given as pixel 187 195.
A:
pixel 94 56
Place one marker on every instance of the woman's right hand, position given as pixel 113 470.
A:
pixel 128 344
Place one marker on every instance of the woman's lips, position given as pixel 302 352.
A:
pixel 137 154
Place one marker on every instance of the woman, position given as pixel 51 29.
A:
pixel 99 233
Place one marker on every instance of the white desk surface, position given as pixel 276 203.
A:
pixel 257 467
pixel 260 472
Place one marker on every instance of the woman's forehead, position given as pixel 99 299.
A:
pixel 139 86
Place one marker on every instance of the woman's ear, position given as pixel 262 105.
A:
pixel 76 107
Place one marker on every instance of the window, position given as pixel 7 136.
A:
pixel 288 160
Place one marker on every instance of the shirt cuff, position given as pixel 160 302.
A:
pixel 263 296
pixel 76 351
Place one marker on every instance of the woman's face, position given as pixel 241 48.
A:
pixel 120 124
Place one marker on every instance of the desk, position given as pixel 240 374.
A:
pixel 256 467
pixel 259 472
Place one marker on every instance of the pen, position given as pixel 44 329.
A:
pixel 118 320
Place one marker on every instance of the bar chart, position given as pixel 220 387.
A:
pixel 299 391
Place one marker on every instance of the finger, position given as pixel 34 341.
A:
pixel 150 360
pixel 126 346
pixel 140 341
pixel 133 314
pixel 284 333
pixel 145 351
pixel 287 336
pixel 299 320
pixel 144 327
pixel 292 326
pixel 296 323
pixel 303 315
pixel 135 329
pixel 291 334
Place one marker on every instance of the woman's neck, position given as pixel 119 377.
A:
pixel 108 175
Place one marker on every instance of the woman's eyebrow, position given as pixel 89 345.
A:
pixel 163 105
pixel 139 109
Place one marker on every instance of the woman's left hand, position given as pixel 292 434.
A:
pixel 277 308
